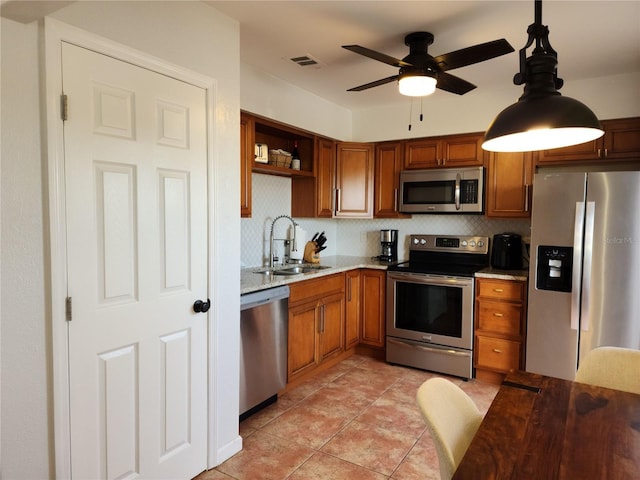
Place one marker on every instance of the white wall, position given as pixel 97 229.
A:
pixel 609 97
pixel 189 34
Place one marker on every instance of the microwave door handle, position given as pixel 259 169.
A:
pixel 457 192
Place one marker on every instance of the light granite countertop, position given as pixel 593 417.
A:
pixel 250 281
pixel 500 274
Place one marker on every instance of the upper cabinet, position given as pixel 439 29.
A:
pixel 313 197
pixel 508 185
pixel 354 180
pixel 389 158
pixel 621 142
pixel 446 151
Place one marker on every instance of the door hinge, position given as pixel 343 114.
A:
pixel 68 307
pixel 64 107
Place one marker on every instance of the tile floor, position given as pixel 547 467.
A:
pixel 356 421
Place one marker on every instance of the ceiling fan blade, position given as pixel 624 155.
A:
pixel 453 84
pixel 471 55
pixel 373 84
pixel 381 57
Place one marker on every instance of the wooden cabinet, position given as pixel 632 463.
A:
pixel 247 141
pixel 447 151
pixel 388 164
pixel 313 197
pixel 620 142
pixel 372 300
pixel 508 185
pixel 500 328
pixel 354 180
pixel 316 323
pixel 352 313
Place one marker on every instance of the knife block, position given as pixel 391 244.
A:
pixel 310 255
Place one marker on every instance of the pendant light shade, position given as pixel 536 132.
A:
pixel 542 119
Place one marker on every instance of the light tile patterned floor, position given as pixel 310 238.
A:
pixel 357 421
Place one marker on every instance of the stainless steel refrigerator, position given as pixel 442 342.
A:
pixel 584 274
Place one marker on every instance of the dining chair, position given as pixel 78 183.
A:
pixel 611 367
pixel 452 420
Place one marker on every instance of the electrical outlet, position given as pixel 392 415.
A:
pixel 363 237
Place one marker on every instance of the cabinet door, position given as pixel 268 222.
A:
pixel 373 307
pixel 463 150
pixel 389 157
pixel 422 153
pixel 325 177
pixel 352 320
pixel 509 178
pixel 247 141
pixel 621 139
pixel 303 339
pixel 575 153
pixel 354 180
pixel 331 313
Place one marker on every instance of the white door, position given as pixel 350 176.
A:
pixel 136 209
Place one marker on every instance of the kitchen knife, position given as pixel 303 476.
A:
pixel 318 250
pixel 315 235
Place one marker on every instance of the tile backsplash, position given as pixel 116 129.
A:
pixel 360 237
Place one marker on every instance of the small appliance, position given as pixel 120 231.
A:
pixel 388 245
pixel 442 190
pixel 506 252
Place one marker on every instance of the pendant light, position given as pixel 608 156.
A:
pixel 542 119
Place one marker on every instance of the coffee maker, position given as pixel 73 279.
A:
pixel 388 245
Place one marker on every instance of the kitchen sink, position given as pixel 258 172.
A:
pixel 294 270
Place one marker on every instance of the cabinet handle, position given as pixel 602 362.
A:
pixel 338 206
pixel 497 350
pixel 526 197
pixel 599 153
pixel 322 320
pixel 499 290
pixel 606 153
pixel 349 290
pixel 395 200
pixel 496 314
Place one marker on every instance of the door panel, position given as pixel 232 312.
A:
pixel 136 196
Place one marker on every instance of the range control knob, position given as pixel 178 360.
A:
pixel 480 243
pixel 423 241
pixel 472 243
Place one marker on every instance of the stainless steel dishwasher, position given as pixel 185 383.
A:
pixel 263 347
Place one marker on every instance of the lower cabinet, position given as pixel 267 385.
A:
pixel 372 300
pixel 316 323
pixel 353 303
pixel 500 328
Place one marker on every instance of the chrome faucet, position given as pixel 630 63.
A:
pixel 271 239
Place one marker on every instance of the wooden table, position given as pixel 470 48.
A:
pixel 544 428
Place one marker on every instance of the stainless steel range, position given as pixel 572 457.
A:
pixel 430 302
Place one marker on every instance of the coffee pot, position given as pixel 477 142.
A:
pixel 388 245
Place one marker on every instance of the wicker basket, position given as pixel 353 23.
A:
pixel 280 160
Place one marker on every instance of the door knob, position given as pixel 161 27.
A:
pixel 201 307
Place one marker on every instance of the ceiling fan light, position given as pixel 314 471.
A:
pixel 542 123
pixel 417 85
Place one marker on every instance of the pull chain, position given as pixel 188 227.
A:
pixel 410 112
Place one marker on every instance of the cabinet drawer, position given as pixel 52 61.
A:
pixel 499 317
pixel 501 289
pixel 497 354
pixel 318 287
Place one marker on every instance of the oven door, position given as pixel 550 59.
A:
pixel 433 309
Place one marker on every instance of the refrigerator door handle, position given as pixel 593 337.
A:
pixel 588 256
pixel 577 265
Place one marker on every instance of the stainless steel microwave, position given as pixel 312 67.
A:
pixel 446 190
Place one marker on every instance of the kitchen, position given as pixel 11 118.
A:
pixel 27 382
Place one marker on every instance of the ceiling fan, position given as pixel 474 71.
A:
pixel 420 73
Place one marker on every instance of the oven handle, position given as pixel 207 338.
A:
pixel 446 351
pixel 425 278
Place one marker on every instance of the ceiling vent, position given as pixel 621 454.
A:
pixel 306 60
